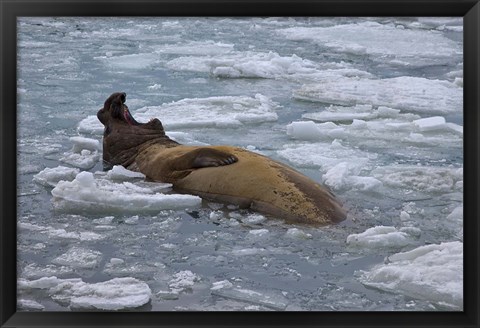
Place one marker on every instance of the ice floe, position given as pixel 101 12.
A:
pixel 51 176
pixel 425 132
pixel 268 299
pixel 90 125
pixel 85 153
pixel 411 94
pixel 183 280
pixel 297 234
pixel 227 111
pixel 87 193
pixel 384 43
pixel 419 178
pixel 60 233
pixel 197 48
pixel 29 305
pixel 262 65
pixel 118 172
pixel 79 258
pixel 431 272
pixel 383 236
pixel 112 295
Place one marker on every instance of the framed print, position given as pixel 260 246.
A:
pixel 219 163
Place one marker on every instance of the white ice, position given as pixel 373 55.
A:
pixel 262 65
pixel 382 236
pixel 219 112
pixel 384 43
pixel 51 176
pixel 90 125
pixel 269 299
pixel 198 48
pixel 29 305
pixel 183 280
pixel 79 258
pixel 411 94
pixel 86 193
pixel 85 153
pixel 115 294
pixel 432 272
pixel 428 179
pixel 118 172
pixel 60 233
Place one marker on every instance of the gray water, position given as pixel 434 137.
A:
pixel 67 67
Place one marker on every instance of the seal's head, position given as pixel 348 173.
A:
pixel 123 136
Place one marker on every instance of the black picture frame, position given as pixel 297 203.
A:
pixel 10 10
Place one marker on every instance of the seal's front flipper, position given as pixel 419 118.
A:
pixel 204 157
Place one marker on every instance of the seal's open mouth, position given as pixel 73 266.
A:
pixel 128 117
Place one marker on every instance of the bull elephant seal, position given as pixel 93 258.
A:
pixel 217 173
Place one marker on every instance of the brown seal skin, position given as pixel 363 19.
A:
pixel 217 173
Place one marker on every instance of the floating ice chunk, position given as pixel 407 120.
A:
pixel 51 176
pixel 90 125
pixel 458 129
pixel 382 43
pixel 197 48
pixel 182 281
pixel 253 219
pixel 268 299
pixel 457 214
pixel 297 234
pixel 86 193
pixel 61 233
pixel 428 179
pixel 80 258
pixel 43 283
pixel 380 236
pixel 258 232
pixel 85 153
pixel 228 111
pixel 130 62
pixel 343 175
pixel 185 138
pixel 411 94
pixel 430 123
pixel 432 272
pixel 113 295
pixel 118 172
pixel 116 261
pixel 304 130
pixel 80 143
pixel 34 271
pixel 221 284
pixel 262 65
pixel 104 220
pixel 326 155
pixel 29 305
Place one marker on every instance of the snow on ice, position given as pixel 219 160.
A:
pixel 51 176
pixel 112 295
pixel 86 193
pixel 262 65
pixel 383 236
pixel 85 153
pixel 432 272
pixel 226 111
pixel 383 43
pixel 411 94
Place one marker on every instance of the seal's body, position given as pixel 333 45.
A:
pixel 218 173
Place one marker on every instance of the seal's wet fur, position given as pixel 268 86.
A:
pixel 218 173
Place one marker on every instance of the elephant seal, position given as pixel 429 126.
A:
pixel 217 173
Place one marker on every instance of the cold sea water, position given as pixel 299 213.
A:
pixel 370 107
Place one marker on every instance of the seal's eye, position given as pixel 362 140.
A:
pixel 123 97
